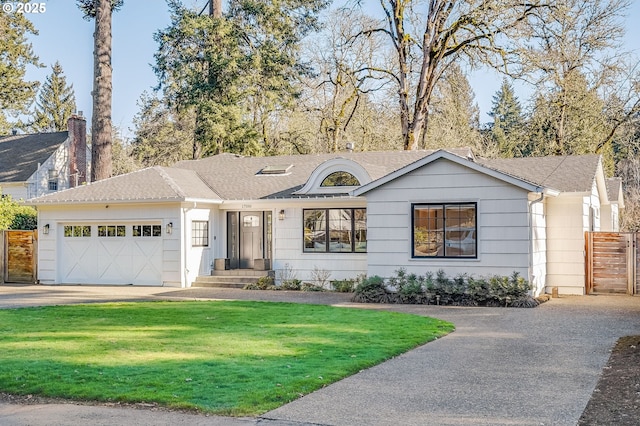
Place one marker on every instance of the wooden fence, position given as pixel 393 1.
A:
pixel 612 260
pixel 18 256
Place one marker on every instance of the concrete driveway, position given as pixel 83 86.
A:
pixel 500 367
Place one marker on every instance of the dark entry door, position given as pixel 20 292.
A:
pixel 251 231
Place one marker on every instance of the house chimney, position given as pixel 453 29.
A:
pixel 77 126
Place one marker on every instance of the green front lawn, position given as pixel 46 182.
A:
pixel 229 358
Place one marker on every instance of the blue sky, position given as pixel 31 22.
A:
pixel 66 37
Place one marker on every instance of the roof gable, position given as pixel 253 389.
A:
pixel 441 154
pixel 20 155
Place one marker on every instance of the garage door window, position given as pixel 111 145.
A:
pixel 77 231
pixel 147 230
pixel 111 231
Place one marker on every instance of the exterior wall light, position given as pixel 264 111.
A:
pixel 281 215
pixel 169 228
pixel 45 229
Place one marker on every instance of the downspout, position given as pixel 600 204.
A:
pixel 183 232
pixel 531 203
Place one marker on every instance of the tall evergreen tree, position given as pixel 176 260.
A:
pixel 570 121
pixel 56 102
pixel 575 59
pixel 101 129
pixel 507 129
pixel 454 114
pixel 235 70
pixel 163 135
pixel 15 55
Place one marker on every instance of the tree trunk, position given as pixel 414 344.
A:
pixel 101 167
pixel 215 8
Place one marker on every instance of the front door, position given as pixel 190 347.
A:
pixel 251 232
pixel 248 238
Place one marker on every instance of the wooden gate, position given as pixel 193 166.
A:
pixel 612 261
pixel 19 256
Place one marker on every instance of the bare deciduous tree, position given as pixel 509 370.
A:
pixel 427 37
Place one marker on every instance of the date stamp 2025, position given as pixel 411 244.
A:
pixel 22 7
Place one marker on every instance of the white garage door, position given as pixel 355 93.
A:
pixel 124 253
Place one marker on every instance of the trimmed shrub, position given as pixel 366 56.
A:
pixel 372 290
pixel 462 290
pixel 524 302
pixel 292 284
pixel 263 283
pixel 344 286
pixel 311 287
pixel 16 216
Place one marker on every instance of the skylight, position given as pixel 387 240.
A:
pixel 276 169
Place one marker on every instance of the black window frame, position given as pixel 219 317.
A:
pixel 446 250
pixel 327 241
pixel 199 233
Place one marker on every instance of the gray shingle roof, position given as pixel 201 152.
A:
pixel 233 177
pixel 20 154
pixel 613 188
pixel 569 173
pixel 151 184
pixel 237 178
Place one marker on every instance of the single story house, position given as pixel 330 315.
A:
pixel 348 213
pixel 35 164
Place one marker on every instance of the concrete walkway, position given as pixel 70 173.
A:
pixel 500 367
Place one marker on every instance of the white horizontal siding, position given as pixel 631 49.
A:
pixel 58 216
pixel 502 227
pixel 567 221
pixel 288 251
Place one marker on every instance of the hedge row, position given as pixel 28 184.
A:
pixel 438 289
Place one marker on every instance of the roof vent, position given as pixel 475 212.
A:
pixel 349 146
pixel 14 132
pixel 276 170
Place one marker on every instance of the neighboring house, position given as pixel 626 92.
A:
pixel 347 213
pixel 610 215
pixel 36 164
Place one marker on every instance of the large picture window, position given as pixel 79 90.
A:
pixel 335 230
pixel 444 230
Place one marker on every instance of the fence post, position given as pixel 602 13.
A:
pixel 3 269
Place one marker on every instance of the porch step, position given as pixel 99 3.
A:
pixel 237 278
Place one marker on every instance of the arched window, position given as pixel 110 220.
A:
pixel 340 179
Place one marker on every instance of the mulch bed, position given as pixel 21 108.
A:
pixel 616 399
